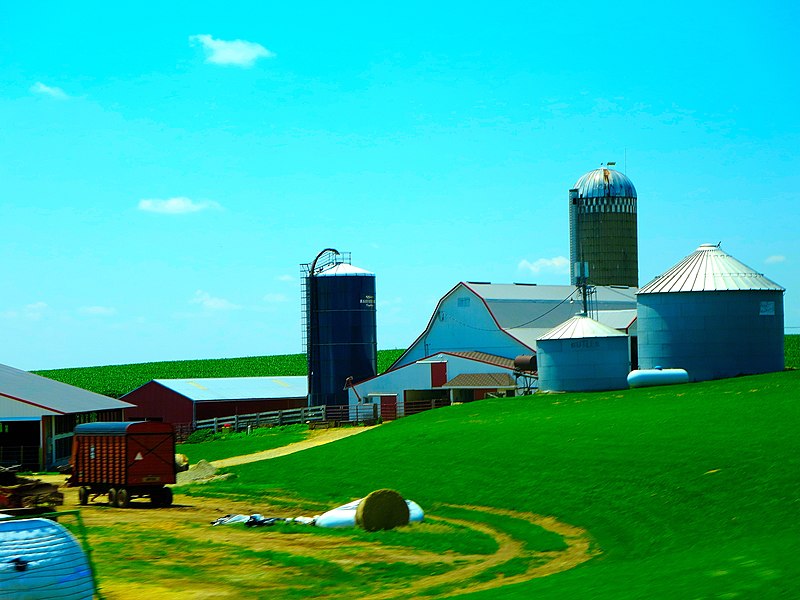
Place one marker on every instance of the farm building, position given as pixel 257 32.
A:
pixel 37 416
pixel 436 380
pixel 185 401
pixel 506 319
pixel 713 316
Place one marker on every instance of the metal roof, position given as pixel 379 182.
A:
pixel 491 359
pixel 605 183
pixel 517 306
pixel 238 388
pixel 52 396
pixel 709 269
pixel 340 269
pixel 618 319
pixel 481 380
pixel 580 327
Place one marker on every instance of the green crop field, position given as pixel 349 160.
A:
pixel 118 380
pixel 688 491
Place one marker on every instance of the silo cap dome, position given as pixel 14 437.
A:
pixel 341 269
pixel 605 183
pixel 709 269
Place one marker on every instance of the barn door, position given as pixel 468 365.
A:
pixel 389 407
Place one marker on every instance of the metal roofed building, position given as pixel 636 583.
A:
pixel 506 319
pixel 38 415
pixel 602 229
pixel 436 380
pixel 713 316
pixel 583 355
pixel 185 401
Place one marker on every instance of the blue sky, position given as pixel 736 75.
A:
pixel 165 167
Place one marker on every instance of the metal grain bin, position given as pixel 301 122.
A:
pixel 582 355
pixel 713 316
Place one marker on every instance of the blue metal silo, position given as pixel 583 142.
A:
pixel 713 316
pixel 340 327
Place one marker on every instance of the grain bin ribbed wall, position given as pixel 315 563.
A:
pixel 342 337
pixel 602 224
pixel 713 316
pixel 582 355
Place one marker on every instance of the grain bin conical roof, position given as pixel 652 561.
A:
pixel 709 269
pixel 580 327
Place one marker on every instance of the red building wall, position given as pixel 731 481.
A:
pixel 156 402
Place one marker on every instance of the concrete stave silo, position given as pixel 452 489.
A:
pixel 713 316
pixel 582 355
pixel 341 330
pixel 602 229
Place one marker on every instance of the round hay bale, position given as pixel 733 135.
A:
pixel 382 509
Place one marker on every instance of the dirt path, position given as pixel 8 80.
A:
pixel 179 555
pixel 316 438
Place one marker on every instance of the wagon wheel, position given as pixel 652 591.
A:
pixel 166 496
pixel 83 495
pixel 112 497
pixel 123 499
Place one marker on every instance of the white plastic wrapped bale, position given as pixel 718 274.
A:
pixel 41 560
pixel 345 515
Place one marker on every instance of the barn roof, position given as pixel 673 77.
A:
pixel 43 396
pixel 237 388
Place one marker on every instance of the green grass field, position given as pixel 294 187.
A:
pixel 688 491
pixel 118 380
pixel 227 444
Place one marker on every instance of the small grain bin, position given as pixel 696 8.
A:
pixel 40 559
pixel 582 355
pixel 713 316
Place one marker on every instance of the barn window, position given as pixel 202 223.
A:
pixel 463 302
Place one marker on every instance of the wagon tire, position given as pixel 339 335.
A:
pixel 166 497
pixel 83 495
pixel 112 497
pixel 123 498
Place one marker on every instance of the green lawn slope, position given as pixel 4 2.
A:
pixel 689 491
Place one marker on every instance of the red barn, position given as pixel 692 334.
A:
pixel 186 401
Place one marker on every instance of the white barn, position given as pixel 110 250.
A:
pixel 506 319
pixel 433 381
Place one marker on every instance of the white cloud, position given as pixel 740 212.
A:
pixel 176 206
pixel 46 90
pixel 234 52
pixel 285 278
pixel 276 298
pixel 207 301
pixel 98 311
pixel 32 312
pixel 774 259
pixel 557 264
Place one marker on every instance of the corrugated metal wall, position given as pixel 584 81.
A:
pixel 712 334
pixel 582 365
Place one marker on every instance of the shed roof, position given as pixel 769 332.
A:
pixel 481 380
pixel 52 396
pixel 238 388
pixel 709 269
pixel 581 327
